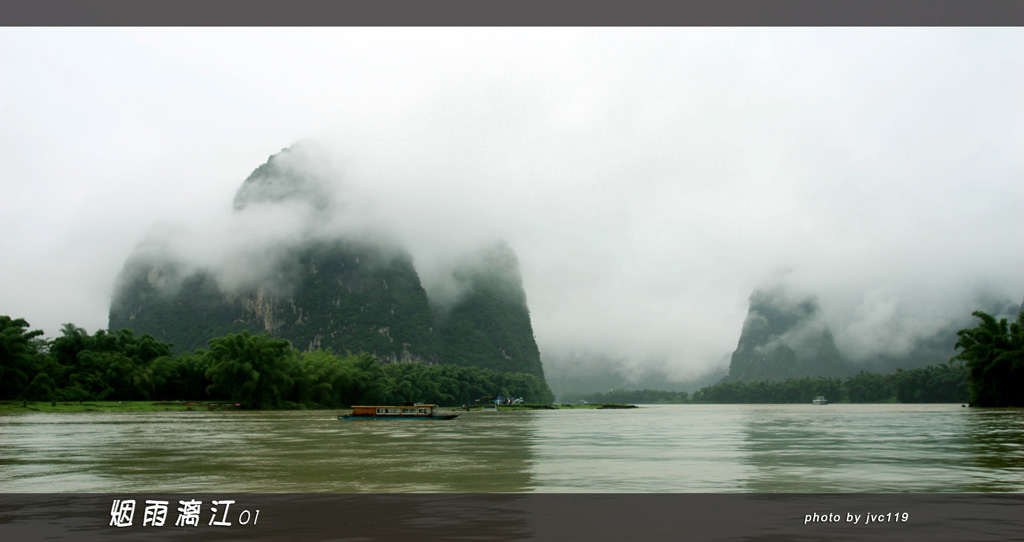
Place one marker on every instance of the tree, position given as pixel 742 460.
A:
pixel 19 356
pixel 994 354
pixel 180 377
pixel 869 388
pixel 254 370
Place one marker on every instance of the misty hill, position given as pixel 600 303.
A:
pixel 584 373
pixel 938 347
pixel 489 326
pixel 338 294
pixel 784 338
pixel 322 285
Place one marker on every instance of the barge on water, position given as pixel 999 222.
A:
pixel 408 412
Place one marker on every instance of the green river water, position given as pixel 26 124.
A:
pixel 836 448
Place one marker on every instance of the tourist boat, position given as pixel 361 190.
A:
pixel 407 412
pixel 820 400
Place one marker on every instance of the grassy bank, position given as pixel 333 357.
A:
pixel 19 407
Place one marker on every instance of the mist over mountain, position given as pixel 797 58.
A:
pixel 490 316
pixel 787 334
pixel 328 251
pixel 785 338
pixel 578 372
pixel 301 258
pixel 648 180
pixel 937 347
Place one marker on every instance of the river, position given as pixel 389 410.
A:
pixel 837 448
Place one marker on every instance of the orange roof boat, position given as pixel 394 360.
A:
pixel 389 412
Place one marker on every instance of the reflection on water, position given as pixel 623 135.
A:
pixel 685 448
pixel 262 452
pixel 995 438
pixel 662 449
pixel 857 448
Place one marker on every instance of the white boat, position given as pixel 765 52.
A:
pixel 820 400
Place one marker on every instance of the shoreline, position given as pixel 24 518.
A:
pixel 27 407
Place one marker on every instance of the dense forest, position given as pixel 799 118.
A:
pixel 254 371
pixel 258 371
pixel 936 384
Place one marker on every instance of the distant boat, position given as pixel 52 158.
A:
pixel 408 412
pixel 820 400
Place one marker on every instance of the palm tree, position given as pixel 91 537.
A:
pixel 993 353
pixel 19 359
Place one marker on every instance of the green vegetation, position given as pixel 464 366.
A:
pixel 994 355
pixel 18 356
pixel 258 371
pixel 14 407
pixel 337 294
pixel 253 371
pixel 936 384
pixel 988 371
pixel 346 296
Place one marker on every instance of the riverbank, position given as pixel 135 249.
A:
pixel 21 407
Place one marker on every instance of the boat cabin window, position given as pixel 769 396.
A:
pixel 408 411
pixel 422 411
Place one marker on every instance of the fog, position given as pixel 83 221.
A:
pixel 649 180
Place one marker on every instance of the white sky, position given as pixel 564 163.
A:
pixel 649 179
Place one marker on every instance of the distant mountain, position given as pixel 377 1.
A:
pixel 784 338
pixel 489 326
pixel 939 347
pixel 358 293
pixel 574 373
pixel 342 295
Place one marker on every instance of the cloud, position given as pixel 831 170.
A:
pixel 648 179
